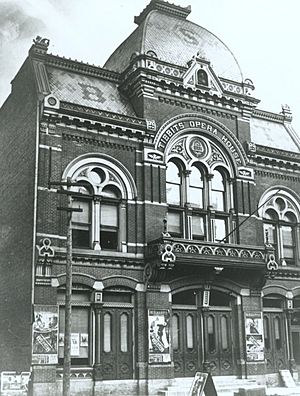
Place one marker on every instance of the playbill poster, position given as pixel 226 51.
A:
pixel 45 334
pixel 254 337
pixel 159 335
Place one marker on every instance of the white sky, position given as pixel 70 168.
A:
pixel 262 34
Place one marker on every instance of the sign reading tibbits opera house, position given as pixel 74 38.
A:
pixel 185 123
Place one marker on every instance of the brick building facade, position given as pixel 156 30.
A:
pixel 186 253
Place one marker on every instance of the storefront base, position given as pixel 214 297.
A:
pixel 89 387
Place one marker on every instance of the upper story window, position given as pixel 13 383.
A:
pixel 198 202
pixel 202 78
pixel 103 190
pixel 98 223
pixel 281 218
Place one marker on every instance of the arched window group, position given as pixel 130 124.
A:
pixel 99 224
pixel 280 228
pixel 198 202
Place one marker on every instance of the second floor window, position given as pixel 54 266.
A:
pixel 198 202
pixel 97 226
pixel 280 229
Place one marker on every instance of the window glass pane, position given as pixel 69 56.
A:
pixel 109 215
pixel 109 239
pixel 80 331
pixel 107 333
pixel 217 181
pixel 266 333
pixel 173 194
pixel 196 178
pixel 202 77
pixel 173 184
pixel 220 229
pixel 224 333
pixel 217 200
pixel 80 237
pixel 173 175
pixel 124 332
pixel 175 332
pixel 110 192
pixel 210 325
pixel 174 223
pixel 211 334
pixel 290 217
pixel 189 332
pixel 197 227
pixel 270 233
pixel 271 214
pixel 288 252
pixel 277 332
pixel 81 217
pixel 287 235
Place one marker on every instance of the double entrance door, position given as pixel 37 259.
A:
pixel 202 336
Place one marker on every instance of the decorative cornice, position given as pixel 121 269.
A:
pixel 278 153
pixel 288 273
pixel 60 259
pixel 81 67
pixel 94 141
pixel 96 114
pixel 276 175
pixel 267 115
pixel 185 104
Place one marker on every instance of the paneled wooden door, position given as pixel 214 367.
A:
pixel 117 343
pixel 188 338
pixel 275 341
pixel 186 342
pixel 219 342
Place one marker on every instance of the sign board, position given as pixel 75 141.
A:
pixel 203 382
pixel 287 379
pixel 45 334
pixel 159 333
pixel 254 337
pixel 13 383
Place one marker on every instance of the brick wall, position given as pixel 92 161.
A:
pixel 17 164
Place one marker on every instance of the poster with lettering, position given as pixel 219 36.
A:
pixel 75 344
pixel 159 335
pixel 45 334
pixel 254 337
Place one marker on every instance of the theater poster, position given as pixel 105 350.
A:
pixel 45 334
pixel 254 337
pixel 159 335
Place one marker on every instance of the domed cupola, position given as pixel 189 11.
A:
pixel 165 33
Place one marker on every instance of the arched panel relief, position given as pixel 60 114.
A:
pixel 192 148
pixel 204 127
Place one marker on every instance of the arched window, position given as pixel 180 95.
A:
pixel 173 184
pixel 206 196
pixel 99 195
pixel 81 221
pixel 217 191
pixel 280 228
pixel 109 218
pixel 202 78
pixel 196 187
